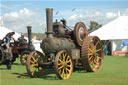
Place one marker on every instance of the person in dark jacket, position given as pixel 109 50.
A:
pixel 8 50
pixel 7 39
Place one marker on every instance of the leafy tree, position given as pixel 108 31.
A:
pixel 94 26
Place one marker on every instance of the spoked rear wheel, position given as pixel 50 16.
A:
pixel 32 65
pixel 63 65
pixel 92 54
pixel 23 57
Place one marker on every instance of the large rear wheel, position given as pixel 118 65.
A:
pixel 63 65
pixel 92 54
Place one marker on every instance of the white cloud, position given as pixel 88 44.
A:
pixel 13 14
pixel 20 19
pixel 87 15
pixel 73 17
pixel 111 15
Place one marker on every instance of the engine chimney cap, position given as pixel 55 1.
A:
pixel 49 9
pixel 29 27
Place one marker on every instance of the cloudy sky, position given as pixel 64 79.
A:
pixel 17 14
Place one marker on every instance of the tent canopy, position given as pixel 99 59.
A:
pixel 115 30
pixel 4 31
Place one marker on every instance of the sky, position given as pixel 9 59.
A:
pixel 17 14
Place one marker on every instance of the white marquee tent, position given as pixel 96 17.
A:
pixel 115 31
pixel 4 31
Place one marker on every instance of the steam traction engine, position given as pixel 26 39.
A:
pixel 64 49
pixel 29 47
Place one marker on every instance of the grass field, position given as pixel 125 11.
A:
pixel 113 72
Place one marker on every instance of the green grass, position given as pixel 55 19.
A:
pixel 114 72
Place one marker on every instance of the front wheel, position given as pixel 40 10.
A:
pixel 63 65
pixel 32 64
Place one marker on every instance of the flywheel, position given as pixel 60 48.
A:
pixel 92 54
pixel 80 33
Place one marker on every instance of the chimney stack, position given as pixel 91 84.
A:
pixel 49 21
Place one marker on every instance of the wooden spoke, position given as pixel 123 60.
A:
pixel 33 58
pixel 60 67
pixel 98 50
pixel 92 45
pixel 67 69
pixel 99 57
pixel 90 57
pixel 32 62
pixel 68 65
pixel 63 71
pixel 68 57
pixel 64 56
pixel 96 43
pixel 95 61
pixel 60 61
pixel 35 64
pixel 90 50
pixel 68 61
pixel 60 64
pixel 60 71
pixel 89 53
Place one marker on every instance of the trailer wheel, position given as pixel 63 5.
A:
pixel 32 64
pixel 1 55
pixel 63 65
pixel 23 57
pixel 92 54
pixel 80 33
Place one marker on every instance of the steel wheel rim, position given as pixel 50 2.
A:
pixel 64 65
pixel 95 54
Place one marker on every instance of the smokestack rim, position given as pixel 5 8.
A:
pixel 49 9
pixel 29 27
